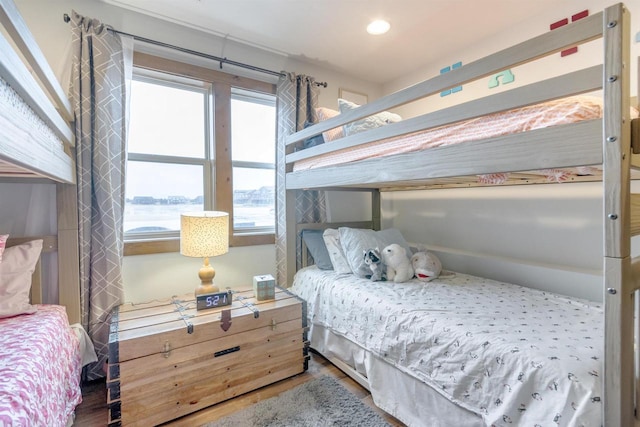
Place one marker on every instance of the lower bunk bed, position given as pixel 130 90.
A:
pixel 564 381
pixel 41 354
pixel 461 350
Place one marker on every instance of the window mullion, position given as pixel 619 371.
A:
pixel 254 165
pixel 222 137
pixel 137 157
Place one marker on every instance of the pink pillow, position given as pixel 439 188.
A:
pixel 3 244
pixel 15 278
pixel 325 114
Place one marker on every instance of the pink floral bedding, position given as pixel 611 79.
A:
pixel 39 369
pixel 551 113
pixel 556 112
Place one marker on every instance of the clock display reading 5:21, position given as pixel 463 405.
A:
pixel 214 300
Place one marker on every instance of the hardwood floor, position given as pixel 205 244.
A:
pixel 93 411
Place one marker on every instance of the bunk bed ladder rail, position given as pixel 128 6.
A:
pixel 618 292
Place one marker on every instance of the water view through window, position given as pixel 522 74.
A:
pixel 171 163
pixel 253 130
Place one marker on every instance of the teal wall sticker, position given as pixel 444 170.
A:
pixel 507 77
pixel 446 70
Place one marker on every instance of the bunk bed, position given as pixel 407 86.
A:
pixel 601 144
pixel 41 345
pixel 37 140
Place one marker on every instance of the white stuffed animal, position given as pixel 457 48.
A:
pixel 426 266
pixel 399 267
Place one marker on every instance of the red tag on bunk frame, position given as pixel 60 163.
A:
pixel 565 21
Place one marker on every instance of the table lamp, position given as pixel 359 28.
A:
pixel 204 234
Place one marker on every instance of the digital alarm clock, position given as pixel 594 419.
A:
pixel 213 300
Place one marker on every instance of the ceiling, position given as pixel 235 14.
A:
pixel 332 32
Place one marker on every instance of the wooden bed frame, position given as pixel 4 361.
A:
pixel 605 142
pixel 37 141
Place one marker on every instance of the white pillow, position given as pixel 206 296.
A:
pixel 331 238
pixel 356 241
pixel 16 268
pixel 325 114
pixel 370 122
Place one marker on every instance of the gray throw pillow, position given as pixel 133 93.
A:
pixel 315 244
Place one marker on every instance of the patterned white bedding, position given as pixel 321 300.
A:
pixel 39 369
pixel 514 355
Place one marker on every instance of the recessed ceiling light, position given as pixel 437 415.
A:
pixel 377 27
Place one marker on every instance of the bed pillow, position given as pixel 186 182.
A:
pixel 355 241
pixel 316 246
pixel 325 114
pixel 331 238
pixel 370 122
pixel 3 243
pixel 16 269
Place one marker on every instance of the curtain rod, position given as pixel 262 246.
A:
pixel 67 18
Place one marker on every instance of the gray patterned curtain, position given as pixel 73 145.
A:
pixel 100 60
pixel 297 98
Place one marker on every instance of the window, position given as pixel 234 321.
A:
pixel 199 139
pixel 168 149
pixel 253 121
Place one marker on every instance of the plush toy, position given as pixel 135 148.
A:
pixel 399 267
pixel 374 261
pixel 426 266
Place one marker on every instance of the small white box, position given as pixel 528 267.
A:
pixel 264 287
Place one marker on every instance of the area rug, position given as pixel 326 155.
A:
pixel 316 403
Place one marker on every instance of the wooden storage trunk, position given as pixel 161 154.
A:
pixel 166 359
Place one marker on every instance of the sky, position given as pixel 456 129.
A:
pixel 155 111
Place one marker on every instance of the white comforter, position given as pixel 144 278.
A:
pixel 514 355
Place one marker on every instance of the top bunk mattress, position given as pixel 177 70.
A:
pixel 513 355
pixel 552 113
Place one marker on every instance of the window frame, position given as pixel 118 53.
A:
pixel 218 173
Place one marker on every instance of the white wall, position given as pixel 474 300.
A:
pixel 545 236
pixel 587 55
pixel 158 276
pixel 44 18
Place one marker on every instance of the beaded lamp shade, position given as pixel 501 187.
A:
pixel 204 234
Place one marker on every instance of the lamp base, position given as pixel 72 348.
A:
pixel 206 288
pixel 206 274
